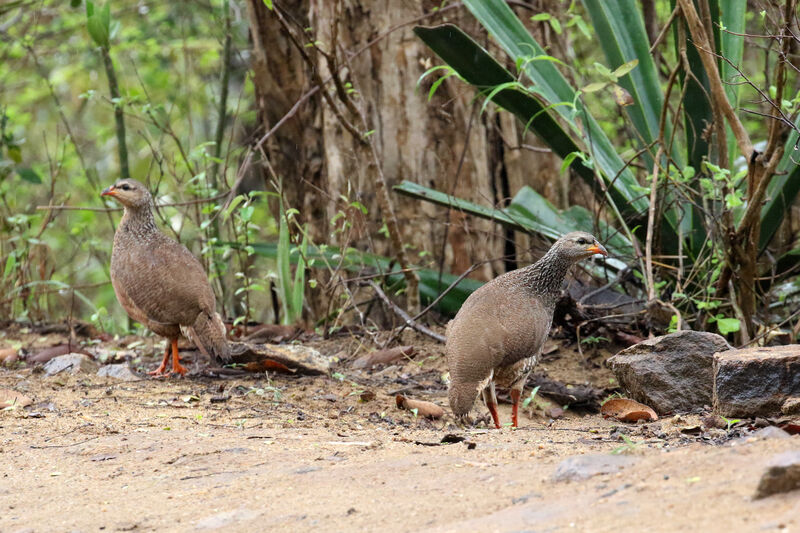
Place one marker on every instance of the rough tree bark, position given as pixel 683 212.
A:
pixel 444 143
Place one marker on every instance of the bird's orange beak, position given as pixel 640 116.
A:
pixel 109 191
pixel 597 248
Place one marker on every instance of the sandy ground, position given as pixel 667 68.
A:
pixel 305 453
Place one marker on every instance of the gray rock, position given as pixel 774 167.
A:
pixel 782 475
pixel 121 371
pixel 585 466
pixel 672 373
pixel 71 363
pixel 756 381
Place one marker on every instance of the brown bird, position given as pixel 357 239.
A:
pixel 160 283
pixel 498 333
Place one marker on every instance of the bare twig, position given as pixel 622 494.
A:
pixel 112 209
pixel 402 314
pixel 707 57
pixel 651 222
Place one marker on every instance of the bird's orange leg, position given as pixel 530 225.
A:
pixel 177 368
pixel 490 399
pixel 493 409
pixel 163 366
pixel 515 394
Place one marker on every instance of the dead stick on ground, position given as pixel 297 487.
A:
pixel 402 314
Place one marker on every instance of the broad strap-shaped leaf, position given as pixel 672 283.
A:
pixel 621 33
pixel 532 213
pixel 731 45
pixel 782 190
pixel 477 67
pixel 506 28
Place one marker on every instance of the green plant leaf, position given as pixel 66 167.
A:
pixel 98 24
pixel 299 287
pixel 625 68
pixel 728 325
pixel 782 190
pixel 29 175
pixel 246 213
pixel 235 202
pixel 594 87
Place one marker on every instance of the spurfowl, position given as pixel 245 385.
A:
pixel 160 283
pixel 498 333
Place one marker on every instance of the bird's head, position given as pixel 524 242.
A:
pixel 579 245
pixel 129 193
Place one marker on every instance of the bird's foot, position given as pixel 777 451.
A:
pixel 178 368
pixel 160 372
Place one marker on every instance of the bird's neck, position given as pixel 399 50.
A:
pixel 547 275
pixel 138 222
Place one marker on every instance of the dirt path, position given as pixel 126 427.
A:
pixel 303 453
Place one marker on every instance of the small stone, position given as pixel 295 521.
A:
pixel 672 373
pixel 71 363
pixel 782 475
pixel 121 371
pixel 770 432
pixel 713 421
pixel 756 381
pixel 791 406
pixel 585 466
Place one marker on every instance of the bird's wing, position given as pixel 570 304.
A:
pixel 165 281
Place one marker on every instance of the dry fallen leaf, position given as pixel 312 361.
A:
pixel 425 409
pixel 44 355
pixel 626 410
pixel 13 399
pixel 382 357
pixel 622 96
pixel 8 355
pixel 266 365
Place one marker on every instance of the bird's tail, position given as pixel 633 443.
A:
pixel 208 333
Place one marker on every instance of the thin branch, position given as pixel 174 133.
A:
pixel 707 57
pixel 402 314
pixel 112 209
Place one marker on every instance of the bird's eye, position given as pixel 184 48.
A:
pixel 124 187
pixel 582 241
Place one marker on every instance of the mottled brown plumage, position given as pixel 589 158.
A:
pixel 159 282
pixel 498 333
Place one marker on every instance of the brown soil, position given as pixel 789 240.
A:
pixel 308 453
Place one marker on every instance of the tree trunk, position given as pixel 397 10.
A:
pixel 445 143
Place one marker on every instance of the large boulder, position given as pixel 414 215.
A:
pixel 757 381
pixel 672 373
